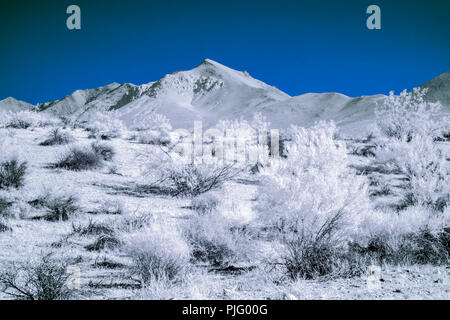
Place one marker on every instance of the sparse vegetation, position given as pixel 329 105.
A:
pixel 58 206
pixel 104 150
pixel 12 173
pixel 57 137
pixel 215 239
pixel 158 255
pixel 105 126
pixel 45 279
pixel 79 158
pixel 27 119
pixel 104 242
pixel 92 228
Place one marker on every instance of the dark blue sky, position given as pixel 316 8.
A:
pixel 297 46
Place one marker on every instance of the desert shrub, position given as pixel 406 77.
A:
pixel 58 206
pixel 12 168
pixel 153 137
pixel 105 125
pixel 407 115
pixel 92 228
pixel 28 119
pixel 205 203
pixel 12 173
pixel 104 150
pixel 57 137
pixel 424 170
pixel 178 178
pixel 80 158
pixel 154 129
pixel 113 207
pixel 214 239
pixel 415 235
pixel 133 222
pixel 4 226
pixel 157 254
pixel 312 185
pixel 104 242
pixel 311 200
pixel 306 258
pixel 5 203
pixel 45 279
pixel 422 247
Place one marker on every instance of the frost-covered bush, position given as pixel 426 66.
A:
pixel 27 119
pixel 407 115
pixel 153 128
pixel 44 279
pixel 106 151
pixel 12 174
pixel 215 239
pixel 410 129
pixel 57 137
pixel 154 137
pixel 85 157
pixel 171 174
pixel 247 143
pixel 423 166
pixel 113 207
pixel 157 254
pixel 105 241
pixel 12 169
pixel 92 228
pixel 415 235
pixel 311 186
pixel 4 227
pixel 58 205
pixel 105 125
pixel 205 203
pixel 311 202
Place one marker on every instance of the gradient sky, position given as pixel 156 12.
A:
pixel 297 46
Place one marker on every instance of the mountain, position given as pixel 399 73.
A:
pixel 11 104
pixel 212 92
pixel 350 114
pixel 439 90
pixel 209 92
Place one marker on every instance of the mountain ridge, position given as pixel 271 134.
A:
pixel 212 91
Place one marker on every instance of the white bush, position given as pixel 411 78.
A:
pixel 407 115
pixel 157 253
pixel 153 128
pixel 424 167
pixel 312 186
pixel 216 239
pixel 172 174
pixel 27 119
pixel 105 125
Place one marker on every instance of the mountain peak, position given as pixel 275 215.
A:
pixel 12 104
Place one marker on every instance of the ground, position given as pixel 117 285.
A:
pixel 104 274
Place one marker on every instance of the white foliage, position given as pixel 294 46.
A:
pixel 423 165
pixel 407 115
pixel 313 185
pixel 106 125
pixel 27 119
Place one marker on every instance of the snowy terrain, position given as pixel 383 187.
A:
pixel 212 92
pixel 98 202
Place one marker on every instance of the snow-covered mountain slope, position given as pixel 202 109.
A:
pixel 209 92
pixel 439 90
pixel 309 108
pixel 212 92
pixel 11 104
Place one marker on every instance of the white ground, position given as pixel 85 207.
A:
pixel 30 238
